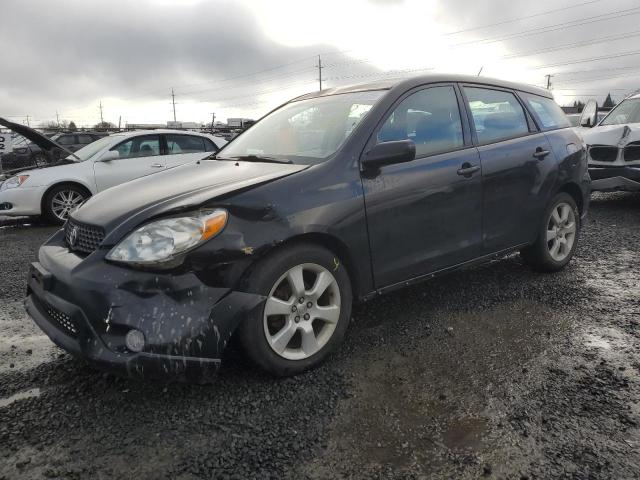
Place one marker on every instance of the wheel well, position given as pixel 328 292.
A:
pixel 56 185
pixel 574 190
pixel 334 245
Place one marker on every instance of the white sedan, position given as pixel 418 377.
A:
pixel 57 190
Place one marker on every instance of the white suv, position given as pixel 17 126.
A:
pixel 57 190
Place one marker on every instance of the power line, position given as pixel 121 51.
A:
pixel 586 43
pixel 558 26
pixel 586 60
pixel 523 18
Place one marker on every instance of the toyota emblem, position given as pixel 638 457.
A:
pixel 73 236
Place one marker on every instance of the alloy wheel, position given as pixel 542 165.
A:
pixel 561 231
pixel 65 202
pixel 302 311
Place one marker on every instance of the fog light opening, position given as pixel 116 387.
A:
pixel 134 340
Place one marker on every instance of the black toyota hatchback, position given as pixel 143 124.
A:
pixel 334 197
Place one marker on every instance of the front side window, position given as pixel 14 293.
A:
pixel 497 115
pixel 210 146
pixel 184 144
pixel 430 117
pixel 628 111
pixel 145 146
pixel 305 131
pixel 547 112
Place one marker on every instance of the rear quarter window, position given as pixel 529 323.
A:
pixel 546 112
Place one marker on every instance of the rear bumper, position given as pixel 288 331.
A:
pixel 87 306
pixel 612 179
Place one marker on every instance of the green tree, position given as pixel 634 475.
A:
pixel 72 126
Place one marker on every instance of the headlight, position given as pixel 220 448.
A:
pixel 14 182
pixel 162 240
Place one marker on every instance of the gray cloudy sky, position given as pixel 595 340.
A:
pixel 242 57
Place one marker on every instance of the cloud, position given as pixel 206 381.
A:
pixel 67 57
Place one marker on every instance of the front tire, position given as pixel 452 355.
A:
pixel 306 313
pixel 62 200
pixel 557 236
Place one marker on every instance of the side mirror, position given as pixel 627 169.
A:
pixel 589 117
pixel 388 153
pixel 109 156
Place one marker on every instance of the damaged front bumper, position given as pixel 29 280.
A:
pixel 87 306
pixel 615 178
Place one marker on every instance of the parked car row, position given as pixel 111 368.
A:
pixel 335 197
pixel 55 190
pixel 28 154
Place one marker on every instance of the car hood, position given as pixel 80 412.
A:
pixel 34 168
pixel 34 136
pixel 613 135
pixel 121 208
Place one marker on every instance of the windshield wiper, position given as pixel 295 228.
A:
pixel 259 158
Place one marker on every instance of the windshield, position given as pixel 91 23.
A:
pixel 85 153
pixel 305 131
pixel 628 111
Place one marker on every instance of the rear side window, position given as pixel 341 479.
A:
pixel 546 112
pixel 66 139
pixel 184 144
pixel 429 117
pixel 497 115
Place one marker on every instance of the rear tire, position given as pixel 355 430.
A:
pixel 558 234
pixel 306 313
pixel 62 200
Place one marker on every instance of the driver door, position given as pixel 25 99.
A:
pixel 139 156
pixel 425 215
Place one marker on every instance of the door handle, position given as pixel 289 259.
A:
pixel 467 169
pixel 540 153
pixel 156 165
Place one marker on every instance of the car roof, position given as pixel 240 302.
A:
pixel 408 83
pixel 134 133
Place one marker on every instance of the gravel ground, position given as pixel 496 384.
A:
pixel 494 372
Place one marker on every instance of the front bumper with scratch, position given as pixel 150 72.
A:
pixel 87 306
pixel 615 178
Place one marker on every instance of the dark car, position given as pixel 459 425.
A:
pixel 335 197
pixel 28 154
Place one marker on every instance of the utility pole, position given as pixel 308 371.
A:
pixel 320 71
pixel 28 125
pixel 548 76
pixel 101 118
pixel 213 119
pixel 119 122
pixel 173 101
pixel 58 119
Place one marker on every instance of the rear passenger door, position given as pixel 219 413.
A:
pixel 517 166
pixel 424 215
pixel 183 149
